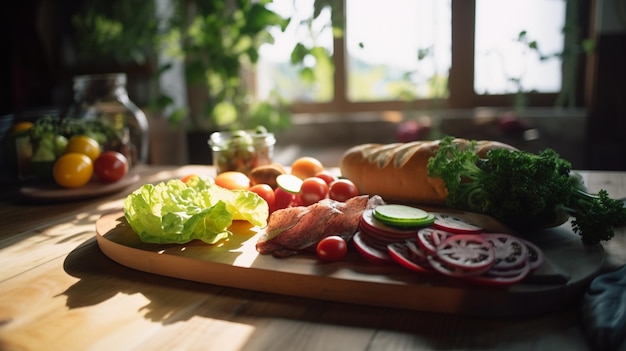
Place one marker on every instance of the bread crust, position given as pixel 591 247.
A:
pixel 398 171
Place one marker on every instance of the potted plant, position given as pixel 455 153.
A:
pixel 218 43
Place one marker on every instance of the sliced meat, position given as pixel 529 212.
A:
pixel 296 229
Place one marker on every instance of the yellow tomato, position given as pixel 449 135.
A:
pixel 85 145
pixel 233 180
pixel 306 167
pixel 72 170
pixel 21 126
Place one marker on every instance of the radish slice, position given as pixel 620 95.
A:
pixel 369 253
pixel 376 228
pixel 416 253
pixel 400 253
pixel 510 251
pixel 508 272
pixel 454 224
pixel 535 255
pixel 502 280
pixel 454 271
pixel 429 238
pixel 466 252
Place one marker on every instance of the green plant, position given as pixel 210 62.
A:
pixel 219 43
pixel 119 32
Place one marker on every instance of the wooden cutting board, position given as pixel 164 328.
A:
pixel 561 280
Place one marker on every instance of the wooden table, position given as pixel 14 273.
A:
pixel 58 291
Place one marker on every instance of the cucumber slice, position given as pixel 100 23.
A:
pixel 403 216
pixel 399 212
pixel 289 182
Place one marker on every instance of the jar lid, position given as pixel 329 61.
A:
pixel 252 136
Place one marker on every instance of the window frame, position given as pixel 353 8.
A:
pixel 460 81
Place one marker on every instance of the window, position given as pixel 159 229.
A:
pixel 401 49
pixel 518 53
pixel 396 54
pixel 275 71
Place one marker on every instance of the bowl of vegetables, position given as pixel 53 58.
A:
pixel 242 150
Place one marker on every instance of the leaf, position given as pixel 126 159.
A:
pixel 225 113
pixel 307 75
pixel 259 18
pixel 178 212
pixel 298 53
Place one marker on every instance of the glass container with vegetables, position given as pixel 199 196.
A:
pixel 242 150
pixel 105 96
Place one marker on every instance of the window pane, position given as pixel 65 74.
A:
pixel 397 49
pixel 505 60
pixel 275 71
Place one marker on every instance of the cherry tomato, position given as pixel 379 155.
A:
pixel 283 198
pixel 85 145
pixel 297 200
pixel 72 170
pixel 110 166
pixel 267 193
pixel 313 189
pixel 305 167
pixel 342 190
pixel 332 248
pixel 187 177
pixel 233 180
pixel 328 177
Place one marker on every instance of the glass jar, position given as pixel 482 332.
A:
pixel 105 96
pixel 241 150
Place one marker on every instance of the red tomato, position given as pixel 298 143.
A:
pixel 328 177
pixel 283 198
pixel 233 180
pixel 297 200
pixel 110 166
pixel 332 248
pixel 342 190
pixel 313 189
pixel 267 193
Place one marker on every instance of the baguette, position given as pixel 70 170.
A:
pixel 398 171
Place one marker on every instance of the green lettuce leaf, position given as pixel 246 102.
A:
pixel 178 212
